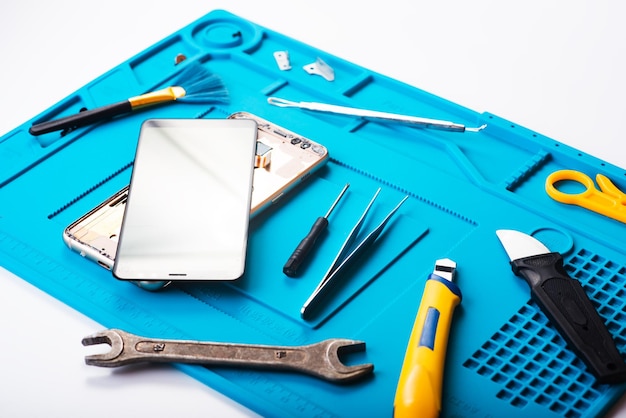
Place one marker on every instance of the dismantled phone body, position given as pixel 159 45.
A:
pixel 283 159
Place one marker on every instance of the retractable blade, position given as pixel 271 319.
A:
pixel 564 301
pixel 418 393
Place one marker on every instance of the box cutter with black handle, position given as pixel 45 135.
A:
pixel 564 301
pixel 418 393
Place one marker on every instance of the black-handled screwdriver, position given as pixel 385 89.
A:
pixel 299 254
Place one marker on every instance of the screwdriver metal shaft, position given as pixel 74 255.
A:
pixel 299 254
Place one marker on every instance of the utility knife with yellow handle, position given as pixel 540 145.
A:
pixel 419 388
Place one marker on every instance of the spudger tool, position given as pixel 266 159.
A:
pixel 194 84
pixel 299 254
pixel 347 256
pixel 374 114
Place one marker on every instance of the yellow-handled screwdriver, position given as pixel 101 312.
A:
pixel 419 388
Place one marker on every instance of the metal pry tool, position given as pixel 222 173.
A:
pixel 374 114
pixel 321 360
pixel 343 261
pixel 419 388
pixel 304 247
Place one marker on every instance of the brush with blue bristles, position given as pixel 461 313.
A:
pixel 193 84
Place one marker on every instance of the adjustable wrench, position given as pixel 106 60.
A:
pixel 320 360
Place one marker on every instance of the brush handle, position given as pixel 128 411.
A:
pixel 82 118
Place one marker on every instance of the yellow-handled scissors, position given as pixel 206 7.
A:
pixel 608 201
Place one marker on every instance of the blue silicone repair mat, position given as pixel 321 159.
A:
pixel 504 359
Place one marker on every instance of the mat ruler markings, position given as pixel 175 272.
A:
pixel 91 189
pixel 73 282
pixel 280 393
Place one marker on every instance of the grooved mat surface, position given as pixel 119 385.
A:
pixel 462 187
pixel 530 359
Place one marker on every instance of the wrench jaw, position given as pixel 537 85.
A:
pixel 111 337
pixel 334 369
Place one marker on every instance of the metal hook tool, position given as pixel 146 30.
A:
pixel 343 261
pixel 373 114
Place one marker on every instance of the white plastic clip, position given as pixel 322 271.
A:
pixel 319 67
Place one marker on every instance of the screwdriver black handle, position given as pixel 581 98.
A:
pixel 566 304
pixel 299 254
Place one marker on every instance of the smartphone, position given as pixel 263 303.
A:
pixel 188 205
pixel 283 159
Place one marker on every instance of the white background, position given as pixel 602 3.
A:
pixel 557 67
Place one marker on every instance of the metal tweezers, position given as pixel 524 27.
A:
pixel 345 257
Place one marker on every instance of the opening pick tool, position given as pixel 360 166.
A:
pixel 419 388
pixel 299 254
pixel 564 301
pixel 347 256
